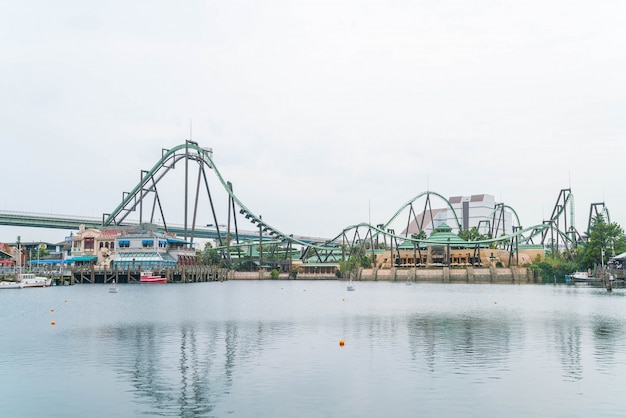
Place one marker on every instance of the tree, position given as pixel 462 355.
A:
pixel 356 259
pixel 420 235
pixel 210 255
pixel 605 241
pixel 471 234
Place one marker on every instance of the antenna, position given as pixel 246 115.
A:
pixel 569 179
pixel 190 129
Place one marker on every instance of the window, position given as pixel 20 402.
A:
pixel 89 244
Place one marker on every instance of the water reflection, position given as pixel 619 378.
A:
pixel 608 344
pixel 185 370
pixel 462 344
pixel 235 362
pixel 567 338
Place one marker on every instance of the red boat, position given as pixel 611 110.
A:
pixel 148 277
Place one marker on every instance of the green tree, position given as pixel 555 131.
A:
pixel 471 234
pixel 553 270
pixel 419 235
pixel 356 259
pixel 605 240
pixel 210 255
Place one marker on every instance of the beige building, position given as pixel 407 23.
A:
pixel 444 248
pixel 93 246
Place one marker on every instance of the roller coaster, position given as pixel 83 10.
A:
pixel 231 218
pixel 211 208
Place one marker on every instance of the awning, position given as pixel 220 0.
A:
pixel 123 242
pixel 178 241
pixel 81 258
pixel 40 262
pixel 147 242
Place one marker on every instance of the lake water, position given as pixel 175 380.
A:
pixel 271 349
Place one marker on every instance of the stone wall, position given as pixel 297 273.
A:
pixel 518 275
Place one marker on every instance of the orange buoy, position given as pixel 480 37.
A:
pixel 494 302
pixel 341 342
pixel 52 323
pixel 51 309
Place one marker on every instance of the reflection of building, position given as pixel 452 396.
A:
pixel 115 247
pixel 472 211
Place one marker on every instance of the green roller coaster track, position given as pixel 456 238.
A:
pixel 191 151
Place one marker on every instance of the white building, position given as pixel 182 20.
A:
pixel 480 211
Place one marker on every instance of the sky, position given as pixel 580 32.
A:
pixel 323 114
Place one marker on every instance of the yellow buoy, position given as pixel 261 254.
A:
pixel 341 342
pixel 51 309
pixel 494 302
pixel 52 323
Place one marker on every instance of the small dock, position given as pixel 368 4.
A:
pixel 613 278
pixel 178 274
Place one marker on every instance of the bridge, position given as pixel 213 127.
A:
pixel 209 208
pixel 65 222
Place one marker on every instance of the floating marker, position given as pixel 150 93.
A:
pixel 53 323
pixel 51 309
pixel 341 342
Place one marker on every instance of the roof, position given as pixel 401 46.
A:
pixel 621 256
pixel 443 235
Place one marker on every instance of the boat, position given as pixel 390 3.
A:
pixel 113 288
pixel 581 277
pixel 11 285
pixel 350 286
pixel 408 282
pixel 148 277
pixel 32 280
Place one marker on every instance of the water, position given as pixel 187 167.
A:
pixel 271 349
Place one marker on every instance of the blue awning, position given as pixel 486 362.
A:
pixel 147 242
pixel 178 241
pixel 39 262
pixel 82 258
pixel 123 242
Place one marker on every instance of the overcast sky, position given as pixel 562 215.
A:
pixel 323 114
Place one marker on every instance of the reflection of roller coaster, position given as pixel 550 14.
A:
pixel 233 221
